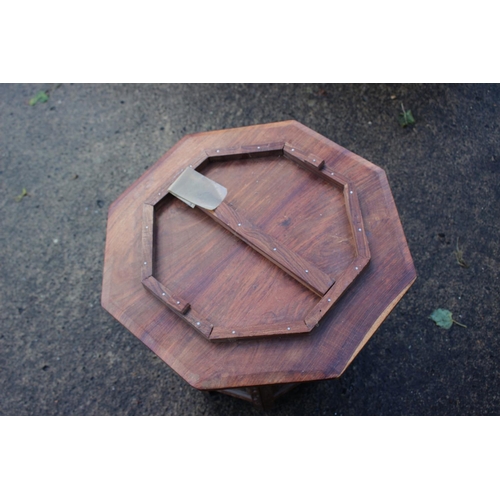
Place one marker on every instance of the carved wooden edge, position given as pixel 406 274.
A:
pixel 294 265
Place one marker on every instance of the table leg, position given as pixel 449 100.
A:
pixel 261 396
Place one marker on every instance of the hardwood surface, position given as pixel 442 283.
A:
pixel 304 210
pixel 263 179
pixel 289 261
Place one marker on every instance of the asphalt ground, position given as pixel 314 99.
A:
pixel 62 354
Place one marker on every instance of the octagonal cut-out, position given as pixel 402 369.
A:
pixel 271 260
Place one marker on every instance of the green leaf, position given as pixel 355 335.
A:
pixel 406 118
pixel 40 97
pixel 444 319
pixel 22 195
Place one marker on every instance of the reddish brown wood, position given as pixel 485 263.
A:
pixel 275 171
pixel 231 286
pixel 310 161
pixel 258 331
pixel 344 281
pixel 179 306
pixel 356 222
pixel 148 249
pixel 245 151
pixel 166 296
pixel 303 271
pixel 222 277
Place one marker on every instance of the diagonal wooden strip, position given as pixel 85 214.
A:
pixel 178 305
pixel 293 264
pixel 165 295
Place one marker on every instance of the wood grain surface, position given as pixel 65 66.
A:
pixel 332 211
pixel 284 257
pixel 306 212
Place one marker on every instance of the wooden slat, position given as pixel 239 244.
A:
pixel 178 305
pixel 147 241
pixel 248 151
pixel 158 194
pixel 311 162
pixel 165 295
pixel 341 285
pixel 305 159
pixel 356 221
pixel 258 331
pixel 328 174
pixel 199 323
pixel 294 265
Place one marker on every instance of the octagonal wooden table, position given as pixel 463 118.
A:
pixel 283 282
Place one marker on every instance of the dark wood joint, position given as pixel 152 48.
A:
pixel 310 161
pixel 162 293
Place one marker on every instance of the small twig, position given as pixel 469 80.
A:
pixel 457 323
pixel 460 257
pixel 406 117
pixel 22 195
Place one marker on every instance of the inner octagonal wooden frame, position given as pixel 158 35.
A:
pixel 328 289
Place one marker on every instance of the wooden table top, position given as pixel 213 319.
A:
pixel 283 282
